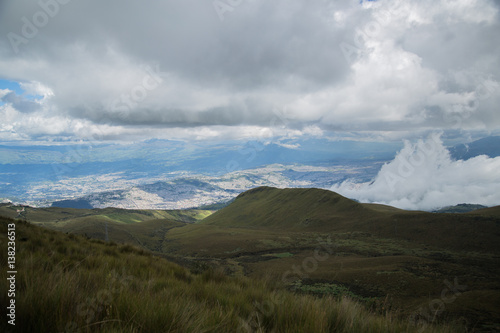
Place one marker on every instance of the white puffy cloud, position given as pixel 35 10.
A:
pixel 37 89
pixel 424 177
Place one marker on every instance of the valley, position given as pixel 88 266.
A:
pixel 173 190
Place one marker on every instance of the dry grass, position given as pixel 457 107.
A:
pixel 66 283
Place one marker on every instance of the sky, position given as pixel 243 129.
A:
pixel 233 70
pixel 420 72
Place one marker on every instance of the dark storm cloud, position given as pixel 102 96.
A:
pixel 256 46
pixel 412 65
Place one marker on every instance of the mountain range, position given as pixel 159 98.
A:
pixel 489 146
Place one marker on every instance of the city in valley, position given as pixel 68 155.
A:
pixel 182 190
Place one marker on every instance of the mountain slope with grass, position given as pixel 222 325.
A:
pixel 67 283
pixel 380 255
pixel 295 208
pixel 319 210
pixel 57 216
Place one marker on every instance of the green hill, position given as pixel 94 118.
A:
pixel 325 211
pixel 288 208
pixel 377 252
pixel 488 212
pixel 57 216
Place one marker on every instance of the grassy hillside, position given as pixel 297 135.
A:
pixel 317 243
pixel 382 255
pixel 487 212
pixel 58 217
pixel 315 210
pixel 295 208
pixel 67 283
pixel 143 228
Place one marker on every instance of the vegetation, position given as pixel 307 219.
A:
pixel 68 217
pixel 385 257
pixel 67 283
pixel 307 246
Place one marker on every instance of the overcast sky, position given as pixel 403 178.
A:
pixel 230 69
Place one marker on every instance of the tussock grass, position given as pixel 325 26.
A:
pixel 67 283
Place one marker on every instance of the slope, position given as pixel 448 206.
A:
pixel 56 216
pixel 292 208
pixel 67 283
pixel 381 255
pixel 316 210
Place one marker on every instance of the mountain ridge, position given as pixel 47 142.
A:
pixel 321 210
pixel 312 207
pixel 488 146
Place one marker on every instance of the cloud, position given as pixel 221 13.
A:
pixel 416 66
pixel 30 100
pixel 289 145
pixel 36 89
pixel 4 92
pixel 424 177
pixel 20 102
pixel 42 126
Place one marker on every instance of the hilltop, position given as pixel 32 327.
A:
pixel 320 210
pixel 287 208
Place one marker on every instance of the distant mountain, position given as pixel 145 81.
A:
pixel 460 208
pixel 215 206
pixel 489 146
